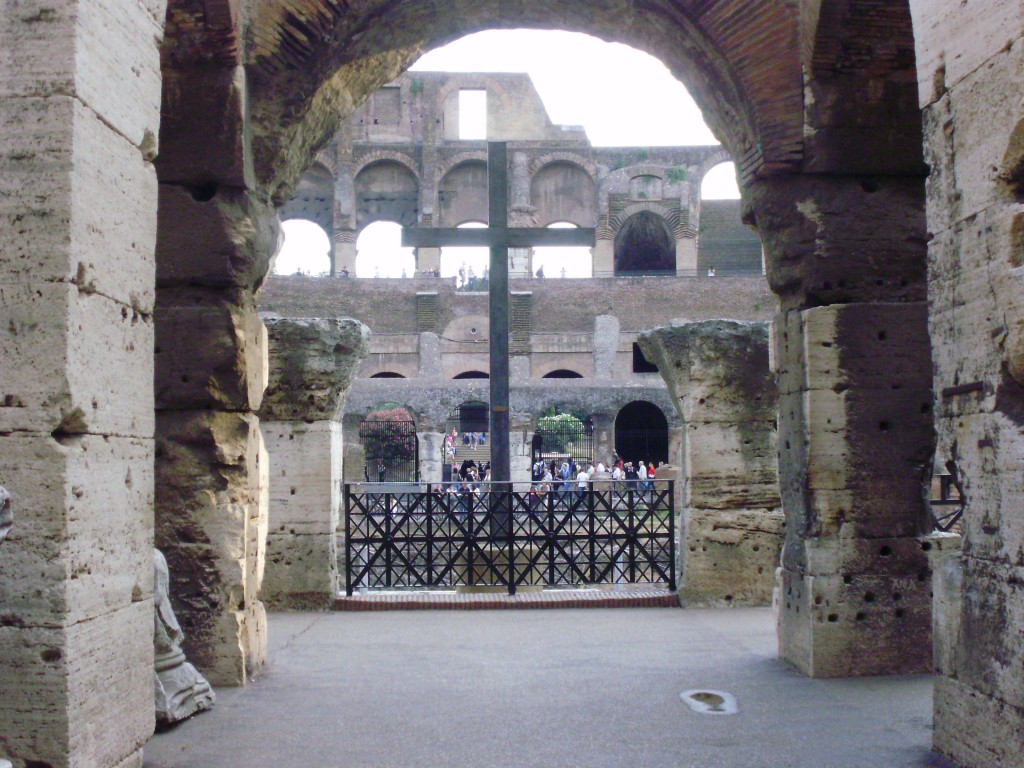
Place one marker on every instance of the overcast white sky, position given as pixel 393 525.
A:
pixel 622 96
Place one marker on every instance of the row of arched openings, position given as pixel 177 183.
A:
pixel 391 446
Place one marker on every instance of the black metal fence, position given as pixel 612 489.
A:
pixel 509 535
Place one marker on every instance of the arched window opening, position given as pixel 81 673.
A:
pixel 390 445
pixel 563 373
pixel 306 250
pixel 641 433
pixel 574 261
pixel 472 375
pixel 379 252
pixel 468 265
pixel 644 245
pixel 387 375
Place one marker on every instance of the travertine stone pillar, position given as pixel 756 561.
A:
pixel 216 236
pixel 312 366
pixel 717 372
pixel 855 446
pixel 971 75
pixel 344 252
pixel 430 456
pixel 79 117
pixel 846 258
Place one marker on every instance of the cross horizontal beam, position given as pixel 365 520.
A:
pixel 515 237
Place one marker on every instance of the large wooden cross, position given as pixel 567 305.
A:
pixel 499 237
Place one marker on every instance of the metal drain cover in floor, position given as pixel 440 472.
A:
pixel 707 702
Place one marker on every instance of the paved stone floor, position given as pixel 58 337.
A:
pixel 553 688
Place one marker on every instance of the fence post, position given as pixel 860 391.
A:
pixel 348 538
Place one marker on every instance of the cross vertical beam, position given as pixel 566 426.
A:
pixel 497 182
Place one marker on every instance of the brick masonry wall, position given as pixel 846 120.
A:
pixel 559 306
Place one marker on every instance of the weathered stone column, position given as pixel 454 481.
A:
pixel 971 74
pixel 79 118
pixel 430 456
pixel 717 372
pixel 312 365
pixel 851 351
pixel 216 236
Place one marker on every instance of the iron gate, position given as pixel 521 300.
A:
pixel 572 440
pixel 391 450
pixel 508 535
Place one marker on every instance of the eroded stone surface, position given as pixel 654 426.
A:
pixel 717 372
pixel 313 363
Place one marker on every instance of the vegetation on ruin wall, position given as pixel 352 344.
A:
pixel 389 432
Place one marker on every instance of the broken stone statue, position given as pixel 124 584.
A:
pixel 180 690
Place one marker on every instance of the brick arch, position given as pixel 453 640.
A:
pixel 672 217
pixel 386 155
pixel 449 165
pixel 709 162
pixel 538 163
pixel 576 202
pixel 744 70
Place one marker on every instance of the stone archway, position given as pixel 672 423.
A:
pixel 240 120
pixel 641 433
pixel 644 245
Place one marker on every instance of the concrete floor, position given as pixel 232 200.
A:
pixel 553 688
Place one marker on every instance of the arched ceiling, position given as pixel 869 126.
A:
pixel 311 60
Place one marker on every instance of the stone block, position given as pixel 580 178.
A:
pixel 974 729
pixel 313 363
pixel 89 219
pixel 71 673
pixel 869 624
pixel 66 353
pixel 968 138
pixel 947 600
pixel 990 645
pixel 954 40
pixel 226 239
pixel 210 350
pixel 84 517
pixel 205 108
pixel 730 556
pixel 100 43
pixel 302 572
pixel 208 501
pixel 730 467
pixel 988 451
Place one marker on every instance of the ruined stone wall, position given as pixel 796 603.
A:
pixel 971 72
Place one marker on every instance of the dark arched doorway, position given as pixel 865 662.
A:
pixel 644 245
pixel 641 433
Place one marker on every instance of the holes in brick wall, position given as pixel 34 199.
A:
pixel 882 336
pixel 860 616
pixel 847 580
pixel 900 613
pixel 869 597
pixel 292 491
pixel 885 551
pixel 884 425
pixel 833 618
